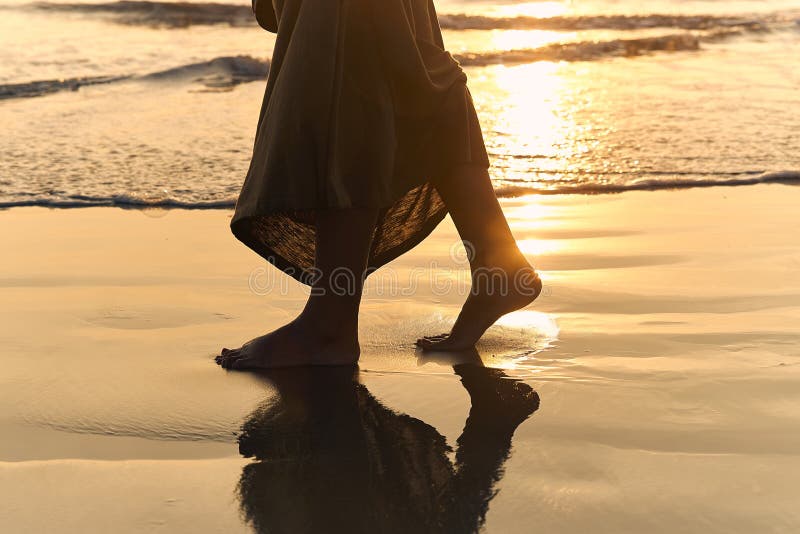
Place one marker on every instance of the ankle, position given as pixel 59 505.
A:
pixel 506 258
pixel 504 273
pixel 327 327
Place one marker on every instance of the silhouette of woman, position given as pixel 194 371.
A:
pixel 332 458
pixel 366 139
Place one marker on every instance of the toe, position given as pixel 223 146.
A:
pixel 221 359
pixel 431 339
pixel 243 363
pixel 227 361
pixel 447 344
pixel 435 345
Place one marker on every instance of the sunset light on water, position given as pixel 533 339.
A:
pixel 595 331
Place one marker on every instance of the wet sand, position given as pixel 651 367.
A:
pixel 663 353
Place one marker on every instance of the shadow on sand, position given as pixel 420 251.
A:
pixel 329 457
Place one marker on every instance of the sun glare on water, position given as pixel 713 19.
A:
pixel 534 132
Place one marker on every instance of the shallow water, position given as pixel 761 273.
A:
pixel 142 103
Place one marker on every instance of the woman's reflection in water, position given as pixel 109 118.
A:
pixel 331 458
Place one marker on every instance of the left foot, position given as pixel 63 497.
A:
pixel 299 343
pixel 520 285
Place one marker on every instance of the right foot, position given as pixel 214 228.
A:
pixel 489 299
pixel 299 343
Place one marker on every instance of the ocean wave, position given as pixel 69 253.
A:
pixel 596 22
pixel 229 71
pixel 119 201
pixel 584 51
pixel 516 190
pixel 43 87
pixel 593 50
pixel 223 73
pixel 159 14
pixel 589 188
pixel 185 14
pixel 217 74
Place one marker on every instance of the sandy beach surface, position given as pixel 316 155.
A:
pixel 664 352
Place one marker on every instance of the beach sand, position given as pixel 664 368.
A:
pixel 664 351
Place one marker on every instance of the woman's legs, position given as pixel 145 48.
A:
pixel 502 279
pixel 326 331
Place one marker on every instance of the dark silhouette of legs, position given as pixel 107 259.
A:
pixel 326 332
pixel 330 457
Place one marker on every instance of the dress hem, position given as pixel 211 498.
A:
pixel 242 225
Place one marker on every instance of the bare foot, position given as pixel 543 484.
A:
pixel 496 291
pixel 299 343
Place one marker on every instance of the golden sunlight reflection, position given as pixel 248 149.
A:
pixel 542 326
pixel 543 323
pixel 530 213
pixel 535 134
pixel 527 216
pixel 537 247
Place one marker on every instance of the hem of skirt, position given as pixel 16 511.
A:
pixel 240 227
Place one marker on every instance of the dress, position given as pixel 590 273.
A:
pixel 363 108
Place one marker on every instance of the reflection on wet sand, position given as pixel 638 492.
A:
pixel 330 457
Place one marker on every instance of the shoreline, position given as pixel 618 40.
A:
pixel 741 179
